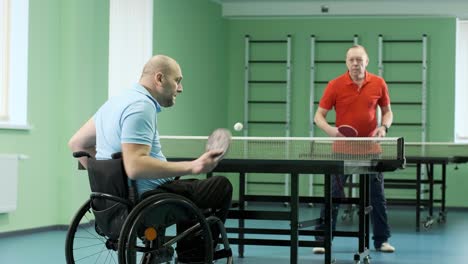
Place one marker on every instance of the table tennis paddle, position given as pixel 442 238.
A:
pixel 220 139
pixel 347 131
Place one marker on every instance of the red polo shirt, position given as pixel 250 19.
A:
pixel 353 107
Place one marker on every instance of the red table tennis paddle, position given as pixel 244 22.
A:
pixel 347 131
pixel 220 139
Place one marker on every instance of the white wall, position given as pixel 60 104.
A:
pixel 130 42
pixel 461 83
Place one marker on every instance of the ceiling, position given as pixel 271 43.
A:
pixel 329 1
pixel 258 8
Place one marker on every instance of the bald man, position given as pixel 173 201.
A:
pixel 355 96
pixel 128 124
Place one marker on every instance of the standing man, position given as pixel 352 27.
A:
pixel 355 96
pixel 128 124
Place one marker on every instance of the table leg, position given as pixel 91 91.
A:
pixel 367 198
pixel 241 208
pixel 328 218
pixel 430 175
pixel 442 214
pixel 418 196
pixel 362 213
pixel 294 217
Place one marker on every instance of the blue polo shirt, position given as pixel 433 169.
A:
pixel 130 118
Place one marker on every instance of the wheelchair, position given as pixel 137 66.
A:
pixel 116 226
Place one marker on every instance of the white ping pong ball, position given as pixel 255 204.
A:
pixel 238 126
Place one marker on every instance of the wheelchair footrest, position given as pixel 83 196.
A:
pixel 223 253
pixel 160 255
pixel 235 204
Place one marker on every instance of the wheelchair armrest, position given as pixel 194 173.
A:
pixel 80 154
pixel 117 155
pixel 114 198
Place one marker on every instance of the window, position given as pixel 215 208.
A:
pixel 461 82
pixel 4 41
pixel 13 63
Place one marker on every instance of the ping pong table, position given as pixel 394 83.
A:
pixel 426 156
pixel 295 157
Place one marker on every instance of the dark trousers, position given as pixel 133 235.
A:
pixel 213 193
pixel 380 226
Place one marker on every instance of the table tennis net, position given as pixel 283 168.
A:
pixel 290 148
pixel 435 149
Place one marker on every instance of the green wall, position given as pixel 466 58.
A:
pixel 68 58
pixel 196 39
pixel 440 77
pixel 84 53
pixel 441 60
pixel 67 79
pixel 40 141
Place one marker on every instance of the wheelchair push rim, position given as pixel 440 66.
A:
pixel 128 250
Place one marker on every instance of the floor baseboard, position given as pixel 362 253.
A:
pixel 33 230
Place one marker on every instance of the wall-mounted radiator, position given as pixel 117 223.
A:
pixel 9 181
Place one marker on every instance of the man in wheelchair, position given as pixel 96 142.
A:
pixel 127 124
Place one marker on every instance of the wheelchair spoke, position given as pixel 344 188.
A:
pixel 109 256
pixel 94 254
pixel 88 246
pixel 89 238
pixel 100 238
pixel 85 245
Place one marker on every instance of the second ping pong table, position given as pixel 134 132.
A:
pixel 426 156
pixel 295 157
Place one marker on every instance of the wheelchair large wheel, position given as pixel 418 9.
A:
pixel 154 215
pixel 84 244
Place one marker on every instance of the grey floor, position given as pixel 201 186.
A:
pixel 443 243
